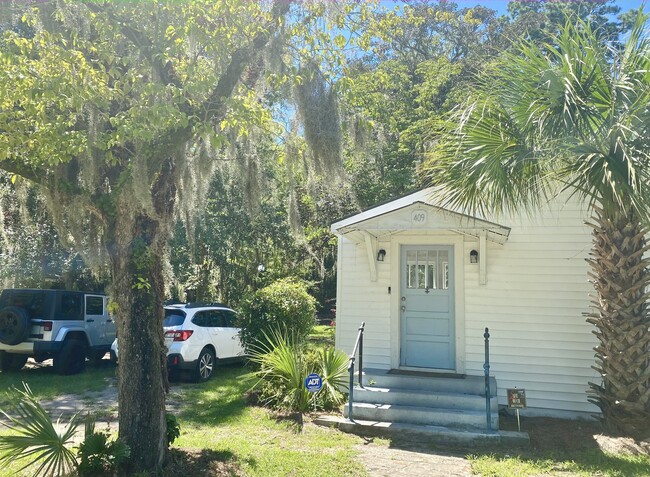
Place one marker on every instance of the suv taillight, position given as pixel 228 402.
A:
pixel 181 335
pixel 47 326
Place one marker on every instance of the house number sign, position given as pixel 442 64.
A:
pixel 419 217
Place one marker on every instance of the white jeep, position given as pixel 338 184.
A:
pixel 67 326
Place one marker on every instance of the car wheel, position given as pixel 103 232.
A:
pixel 14 325
pixel 72 357
pixel 205 365
pixel 12 361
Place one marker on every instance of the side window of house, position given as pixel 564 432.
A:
pixel 69 306
pixel 94 305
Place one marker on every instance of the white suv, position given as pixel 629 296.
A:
pixel 197 335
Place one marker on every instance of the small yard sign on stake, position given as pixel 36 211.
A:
pixel 516 401
pixel 313 383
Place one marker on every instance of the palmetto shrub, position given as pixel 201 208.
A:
pixel 36 440
pixel 284 363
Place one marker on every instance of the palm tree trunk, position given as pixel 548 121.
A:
pixel 619 311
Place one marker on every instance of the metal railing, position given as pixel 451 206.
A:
pixel 486 369
pixel 358 345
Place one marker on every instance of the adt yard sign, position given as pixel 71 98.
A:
pixel 313 383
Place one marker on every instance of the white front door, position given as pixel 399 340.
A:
pixel 427 307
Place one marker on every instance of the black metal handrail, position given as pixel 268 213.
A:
pixel 486 369
pixel 358 346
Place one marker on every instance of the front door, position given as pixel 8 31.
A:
pixel 427 307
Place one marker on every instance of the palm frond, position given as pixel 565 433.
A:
pixel 37 440
pixel 569 115
pixel 334 371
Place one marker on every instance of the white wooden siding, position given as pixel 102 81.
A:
pixel 359 299
pixel 533 303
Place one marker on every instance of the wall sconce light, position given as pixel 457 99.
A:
pixel 381 255
pixel 473 256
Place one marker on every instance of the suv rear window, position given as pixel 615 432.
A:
pixel 174 318
pixel 32 301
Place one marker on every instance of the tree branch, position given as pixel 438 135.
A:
pixel 142 43
pixel 215 105
pixel 36 175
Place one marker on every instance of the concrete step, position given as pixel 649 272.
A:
pixel 428 382
pixel 419 415
pixel 430 434
pixel 423 398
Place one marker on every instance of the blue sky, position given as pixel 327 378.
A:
pixel 502 5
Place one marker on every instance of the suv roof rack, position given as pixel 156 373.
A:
pixel 199 304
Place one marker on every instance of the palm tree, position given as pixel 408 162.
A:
pixel 571 115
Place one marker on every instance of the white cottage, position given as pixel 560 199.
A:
pixel 427 281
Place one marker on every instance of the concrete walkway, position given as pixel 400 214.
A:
pixel 381 461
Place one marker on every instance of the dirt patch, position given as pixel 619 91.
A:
pixel 200 463
pixel 564 436
pixel 402 458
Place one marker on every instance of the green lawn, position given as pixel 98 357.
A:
pixel 223 429
pixel 260 444
pixel 46 384
pixel 216 419
pixel 582 463
pixel 322 335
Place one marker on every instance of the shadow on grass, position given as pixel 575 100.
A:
pixel 204 462
pixel 45 383
pixel 557 446
pixel 219 401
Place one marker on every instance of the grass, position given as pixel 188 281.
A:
pixel 217 421
pixel 582 463
pixel 242 439
pixel 259 442
pixel 321 335
pixel 45 384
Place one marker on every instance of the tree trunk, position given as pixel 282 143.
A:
pixel 620 314
pixel 136 253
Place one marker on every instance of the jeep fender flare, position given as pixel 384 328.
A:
pixel 76 332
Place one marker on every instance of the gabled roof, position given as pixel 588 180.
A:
pixel 416 212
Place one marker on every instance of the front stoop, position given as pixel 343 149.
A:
pixel 446 407
pixel 430 434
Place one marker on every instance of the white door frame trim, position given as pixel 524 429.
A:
pixel 440 238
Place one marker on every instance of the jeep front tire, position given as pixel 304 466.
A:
pixel 72 357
